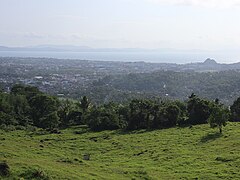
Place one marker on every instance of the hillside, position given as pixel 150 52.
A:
pixel 176 153
pixel 176 85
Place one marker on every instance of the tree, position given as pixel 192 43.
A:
pixel 140 112
pixel 64 110
pixel 49 121
pixel 7 119
pixel 182 118
pixel 219 117
pixel 5 105
pixel 84 104
pixel 166 115
pixel 1 89
pixel 75 117
pixel 235 111
pixel 199 110
pixel 27 91
pixel 6 110
pixel 103 118
pixel 21 109
pixel 172 114
pixel 43 108
pixel 18 89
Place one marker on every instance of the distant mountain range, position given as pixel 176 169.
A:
pixel 70 48
pixel 66 48
pixel 55 48
pixel 209 65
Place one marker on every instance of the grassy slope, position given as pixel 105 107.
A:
pixel 187 153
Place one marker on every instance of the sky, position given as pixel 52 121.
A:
pixel 151 24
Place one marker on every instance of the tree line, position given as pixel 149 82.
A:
pixel 27 106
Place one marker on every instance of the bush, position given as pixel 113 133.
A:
pixel 4 169
pixel 19 127
pixel 50 121
pixel 8 128
pixel 3 126
pixel 7 119
pixel 31 128
pixel 35 174
pixel 55 131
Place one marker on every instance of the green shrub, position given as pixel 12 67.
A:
pixel 9 128
pixel 4 169
pixel 19 127
pixel 35 174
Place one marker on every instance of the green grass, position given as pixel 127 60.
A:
pixel 176 153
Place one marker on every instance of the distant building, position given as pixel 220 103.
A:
pixel 38 77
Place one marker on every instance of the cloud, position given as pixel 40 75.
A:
pixel 32 35
pixel 200 3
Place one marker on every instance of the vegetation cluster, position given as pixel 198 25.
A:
pixel 26 106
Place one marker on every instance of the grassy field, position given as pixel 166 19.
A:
pixel 177 153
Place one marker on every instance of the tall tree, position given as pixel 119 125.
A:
pixel 84 104
pixel 103 118
pixel 235 110
pixel 65 107
pixel 43 108
pixel 199 110
pixel 219 117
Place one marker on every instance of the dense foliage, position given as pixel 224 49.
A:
pixel 27 106
pixel 177 85
pixel 235 110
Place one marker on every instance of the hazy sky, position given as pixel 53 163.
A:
pixel 180 24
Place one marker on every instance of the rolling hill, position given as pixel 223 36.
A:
pixel 196 152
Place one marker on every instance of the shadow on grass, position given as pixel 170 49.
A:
pixel 125 132
pixel 141 131
pixel 210 137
